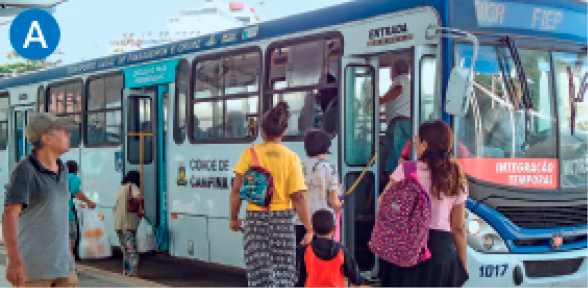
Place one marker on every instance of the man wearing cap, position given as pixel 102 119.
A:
pixel 35 220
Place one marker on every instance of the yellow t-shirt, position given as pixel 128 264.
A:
pixel 286 170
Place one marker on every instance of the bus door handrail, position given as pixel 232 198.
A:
pixel 352 188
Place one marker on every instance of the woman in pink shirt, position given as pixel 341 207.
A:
pixel 441 176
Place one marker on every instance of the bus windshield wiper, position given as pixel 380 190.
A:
pixel 505 70
pixel 575 98
pixel 514 52
pixel 503 61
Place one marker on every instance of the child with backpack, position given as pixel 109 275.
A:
pixel 324 262
pixel 420 226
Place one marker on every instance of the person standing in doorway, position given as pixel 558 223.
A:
pixel 397 101
pixel 270 242
pixel 35 219
pixel 74 189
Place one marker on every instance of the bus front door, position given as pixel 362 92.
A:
pixel 144 146
pixel 358 150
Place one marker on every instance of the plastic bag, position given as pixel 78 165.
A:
pixel 146 240
pixel 94 241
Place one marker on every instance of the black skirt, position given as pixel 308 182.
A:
pixel 443 269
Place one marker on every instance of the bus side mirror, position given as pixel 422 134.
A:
pixel 459 92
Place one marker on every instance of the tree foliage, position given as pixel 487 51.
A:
pixel 23 65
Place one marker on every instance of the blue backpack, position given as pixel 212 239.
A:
pixel 258 184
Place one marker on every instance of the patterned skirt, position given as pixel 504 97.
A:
pixel 270 248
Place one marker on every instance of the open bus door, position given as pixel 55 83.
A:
pixel 358 148
pixel 366 80
pixel 140 143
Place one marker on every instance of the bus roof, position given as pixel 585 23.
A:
pixel 468 19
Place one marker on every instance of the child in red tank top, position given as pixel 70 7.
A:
pixel 324 262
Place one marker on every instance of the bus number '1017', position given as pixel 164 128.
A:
pixel 493 270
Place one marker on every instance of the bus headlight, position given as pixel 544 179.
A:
pixel 482 237
pixel 474 227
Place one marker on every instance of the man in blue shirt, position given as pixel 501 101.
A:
pixel 74 189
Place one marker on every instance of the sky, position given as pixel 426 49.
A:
pixel 88 26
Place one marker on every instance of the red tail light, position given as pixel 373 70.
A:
pixel 174 216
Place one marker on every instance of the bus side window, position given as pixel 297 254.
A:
pixel 305 75
pixel 226 97
pixel 3 120
pixel 41 99
pixel 65 100
pixel 182 88
pixel 104 110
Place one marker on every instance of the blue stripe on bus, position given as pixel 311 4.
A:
pixel 328 16
pixel 509 231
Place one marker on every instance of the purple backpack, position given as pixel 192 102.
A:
pixel 401 231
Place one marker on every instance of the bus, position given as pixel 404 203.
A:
pixel 509 77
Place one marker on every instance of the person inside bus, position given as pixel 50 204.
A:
pixel 328 95
pixel 397 101
pixel 462 152
pixel 236 124
pixel 307 113
pixel 270 240
pixel 500 123
pixel 198 132
pixel 444 180
pixel 329 100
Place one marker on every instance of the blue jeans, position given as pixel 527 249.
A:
pixel 397 134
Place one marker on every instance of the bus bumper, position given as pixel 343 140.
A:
pixel 557 269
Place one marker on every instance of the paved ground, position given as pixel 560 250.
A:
pixel 154 270
pixel 176 272
pixel 88 277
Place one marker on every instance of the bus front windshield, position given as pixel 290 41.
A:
pixel 510 137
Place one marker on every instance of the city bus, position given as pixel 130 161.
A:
pixel 183 112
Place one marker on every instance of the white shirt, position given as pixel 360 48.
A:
pixel 321 177
pixel 400 107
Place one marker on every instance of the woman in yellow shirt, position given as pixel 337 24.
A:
pixel 270 241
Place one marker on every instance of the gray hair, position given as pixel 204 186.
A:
pixel 39 144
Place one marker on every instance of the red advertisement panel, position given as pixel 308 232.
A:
pixel 527 173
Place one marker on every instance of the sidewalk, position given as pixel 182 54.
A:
pixel 87 277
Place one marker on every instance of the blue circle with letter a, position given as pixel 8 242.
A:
pixel 34 34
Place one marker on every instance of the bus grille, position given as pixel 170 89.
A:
pixel 545 216
pixel 543 242
pixel 552 268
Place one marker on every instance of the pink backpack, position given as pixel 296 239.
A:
pixel 401 231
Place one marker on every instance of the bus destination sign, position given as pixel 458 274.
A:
pixel 530 17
